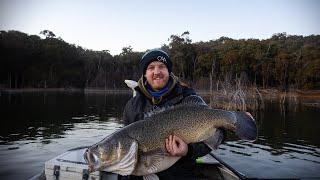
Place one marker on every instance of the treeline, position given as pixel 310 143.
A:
pixel 283 61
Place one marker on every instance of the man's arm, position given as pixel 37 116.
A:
pixel 196 150
pixel 129 113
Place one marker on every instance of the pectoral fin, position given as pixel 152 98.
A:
pixel 153 160
pixel 151 177
pixel 214 141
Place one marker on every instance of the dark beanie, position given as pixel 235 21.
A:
pixel 155 55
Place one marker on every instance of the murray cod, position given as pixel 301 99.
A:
pixel 139 148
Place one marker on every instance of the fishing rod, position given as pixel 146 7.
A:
pixel 239 174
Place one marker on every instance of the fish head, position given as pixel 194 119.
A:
pixel 112 156
pixel 101 155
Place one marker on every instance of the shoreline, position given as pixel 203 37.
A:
pixel 88 90
pixel 309 97
pixel 276 92
pixel 268 92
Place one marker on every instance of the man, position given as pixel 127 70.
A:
pixel 159 87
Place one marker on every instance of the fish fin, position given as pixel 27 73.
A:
pixel 127 164
pixel 152 160
pixel 214 141
pixel 156 111
pixel 150 177
pixel 246 127
pixel 194 99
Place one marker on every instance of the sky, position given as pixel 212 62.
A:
pixel 145 24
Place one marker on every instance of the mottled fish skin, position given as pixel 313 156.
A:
pixel 192 122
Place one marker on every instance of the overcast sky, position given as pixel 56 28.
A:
pixel 146 24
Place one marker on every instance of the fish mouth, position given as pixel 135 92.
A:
pixel 91 159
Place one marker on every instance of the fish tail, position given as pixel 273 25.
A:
pixel 246 127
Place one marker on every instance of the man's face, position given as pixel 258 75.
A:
pixel 157 75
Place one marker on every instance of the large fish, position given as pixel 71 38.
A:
pixel 139 148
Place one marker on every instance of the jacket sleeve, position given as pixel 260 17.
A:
pixel 196 150
pixel 129 113
pixel 133 110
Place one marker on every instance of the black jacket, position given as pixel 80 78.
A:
pixel 136 108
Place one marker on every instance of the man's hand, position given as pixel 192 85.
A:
pixel 176 146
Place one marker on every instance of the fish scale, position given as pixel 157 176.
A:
pixel 143 141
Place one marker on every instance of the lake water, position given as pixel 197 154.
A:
pixel 37 126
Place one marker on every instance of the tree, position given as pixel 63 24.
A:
pixel 48 34
pixel 286 61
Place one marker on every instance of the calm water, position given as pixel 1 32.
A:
pixel 41 125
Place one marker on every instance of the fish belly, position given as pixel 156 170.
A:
pixel 153 164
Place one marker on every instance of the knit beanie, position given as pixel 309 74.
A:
pixel 155 55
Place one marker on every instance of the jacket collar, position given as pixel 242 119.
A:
pixel 156 100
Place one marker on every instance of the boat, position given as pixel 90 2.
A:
pixel 72 166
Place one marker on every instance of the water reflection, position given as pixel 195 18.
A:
pixel 298 124
pixel 50 114
pixel 38 126
pixel 287 146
